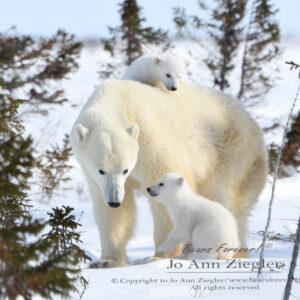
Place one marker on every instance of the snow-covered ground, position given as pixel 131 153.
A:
pixel 154 281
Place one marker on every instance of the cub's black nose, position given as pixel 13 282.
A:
pixel 113 204
pixel 148 190
pixel 174 88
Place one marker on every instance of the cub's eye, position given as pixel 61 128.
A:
pixel 168 75
pixel 101 172
pixel 161 184
pixel 125 171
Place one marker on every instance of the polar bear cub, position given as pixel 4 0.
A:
pixel 202 225
pixel 152 70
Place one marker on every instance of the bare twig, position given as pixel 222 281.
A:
pixel 288 287
pixel 276 236
pixel 246 49
pixel 262 252
pixel 85 284
pixel 293 66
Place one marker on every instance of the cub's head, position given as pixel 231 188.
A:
pixel 107 157
pixel 167 187
pixel 169 71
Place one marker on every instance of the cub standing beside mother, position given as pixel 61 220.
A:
pixel 129 134
pixel 199 222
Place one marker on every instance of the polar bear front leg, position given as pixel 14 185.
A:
pixel 173 240
pixel 162 227
pixel 115 226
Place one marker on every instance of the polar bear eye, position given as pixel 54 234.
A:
pixel 125 171
pixel 101 172
pixel 168 75
pixel 161 184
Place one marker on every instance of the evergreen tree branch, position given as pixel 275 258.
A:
pixel 261 48
pixel 30 264
pixel 28 66
pixel 130 36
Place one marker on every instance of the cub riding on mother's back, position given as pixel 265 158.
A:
pixel 152 70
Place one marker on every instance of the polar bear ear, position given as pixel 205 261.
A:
pixel 180 181
pixel 157 60
pixel 81 133
pixel 134 131
pixel 187 64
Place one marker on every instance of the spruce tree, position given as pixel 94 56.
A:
pixel 29 264
pixel 261 49
pixel 290 157
pixel 65 238
pixel 29 69
pixel 234 27
pixel 30 66
pixel 16 163
pixel 26 268
pixel 64 235
pixel 131 32
pixel 53 166
pixel 225 31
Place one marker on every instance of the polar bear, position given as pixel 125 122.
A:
pixel 199 223
pixel 153 70
pixel 129 134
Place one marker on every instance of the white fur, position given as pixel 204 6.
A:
pixel 152 70
pixel 210 139
pixel 199 222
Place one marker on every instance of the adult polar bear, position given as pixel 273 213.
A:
pixel 129 134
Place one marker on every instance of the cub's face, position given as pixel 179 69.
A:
pixel 167 187
pixel 167 74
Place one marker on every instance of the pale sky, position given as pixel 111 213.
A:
pixel 90 18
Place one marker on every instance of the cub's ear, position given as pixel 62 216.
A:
pixel 134 131
pixel 82 133
pixel 180 181
pixel 157 60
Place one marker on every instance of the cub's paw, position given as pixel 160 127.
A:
pixel 182 256
pixel 146 260
pixel 103 263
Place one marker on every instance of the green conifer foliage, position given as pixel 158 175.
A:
pixel 35 64
pixel 290 157
pixel 64 234
pixel 53 166
pixel 225 31
pixel 132 32
pixel 26 268
pixel 261 50
pixel 16 162
pixel 234 27
pixel 29 263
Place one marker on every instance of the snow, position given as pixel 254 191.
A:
pixel 152 281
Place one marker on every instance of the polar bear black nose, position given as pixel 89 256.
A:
pixel 114 204
pixel 174 88
pixel 148 190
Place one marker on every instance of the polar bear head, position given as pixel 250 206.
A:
pixel 169 70
pixel 107 157
pixel 168 187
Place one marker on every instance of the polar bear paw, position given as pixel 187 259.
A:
pixel 147 260
pixel 104 263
